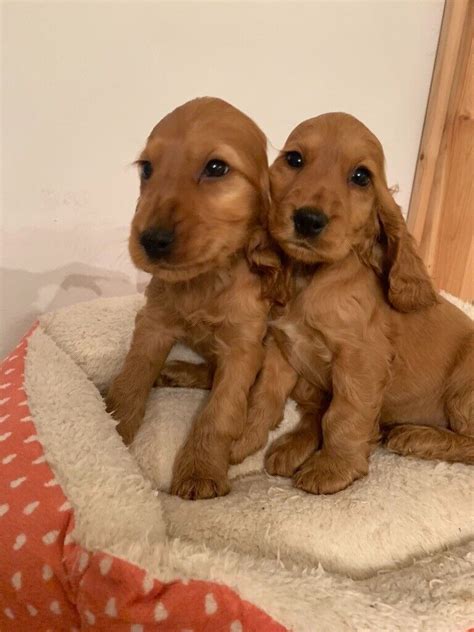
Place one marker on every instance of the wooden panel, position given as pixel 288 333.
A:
pixel 441 213
pixel 452 269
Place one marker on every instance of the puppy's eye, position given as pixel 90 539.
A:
pixel 146 169
pixel 294 159
pixel 361 176
pixel 215 168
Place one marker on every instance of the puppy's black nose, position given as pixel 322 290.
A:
pixel 308 221
pixel 157 242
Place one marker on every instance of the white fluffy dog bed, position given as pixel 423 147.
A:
pixel 392 552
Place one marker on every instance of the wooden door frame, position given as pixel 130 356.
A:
pixel 427 193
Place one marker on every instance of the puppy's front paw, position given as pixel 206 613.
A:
pixel 195 488
pixel 127 429
pixel 128 416
pixel 287 453
pixel 323 474
pixel 199 474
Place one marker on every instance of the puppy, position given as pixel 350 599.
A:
pixel 373 344
pixel 203 188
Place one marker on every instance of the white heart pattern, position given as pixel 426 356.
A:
pixel 30 439
pixel 50 537
pixel 19 541
pixel 55 607
pixel 16 580
pixel 17 482
pixel 47 572
pixel 31 507
pixel 160 612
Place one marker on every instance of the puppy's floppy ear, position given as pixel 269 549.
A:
pixel 409 285
pixel 263 255
pixel 264 259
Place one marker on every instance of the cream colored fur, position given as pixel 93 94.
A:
pixel 313 563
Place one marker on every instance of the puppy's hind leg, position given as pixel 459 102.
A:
pixel 427 442
pixel 455 444
pixel 288 452
pixel 186 375
pixel 460 392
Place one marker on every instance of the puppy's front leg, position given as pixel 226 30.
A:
pixel 267 402
pixel 350 424
pixel 200 469
pixel 126 400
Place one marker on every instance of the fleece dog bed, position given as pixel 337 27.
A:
pixel 90 539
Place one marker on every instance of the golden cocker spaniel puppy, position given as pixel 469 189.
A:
pixel 197 230
pixel 365 342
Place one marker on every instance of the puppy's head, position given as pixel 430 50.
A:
pixel 331 197
pixel 203 186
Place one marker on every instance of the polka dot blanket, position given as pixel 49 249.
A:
pixel 90 539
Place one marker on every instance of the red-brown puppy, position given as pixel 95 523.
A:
pixel 204 185
pixel 372 341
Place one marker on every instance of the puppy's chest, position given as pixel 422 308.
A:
pixel 210 310
pixel 200 315
pixel 304 338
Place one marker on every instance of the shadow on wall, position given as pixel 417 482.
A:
pixel 33 293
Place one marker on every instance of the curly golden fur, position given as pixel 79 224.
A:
pixel 200 237
pixel 365 343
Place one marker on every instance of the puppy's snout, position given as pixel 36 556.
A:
pixel 309 222
pixel 157 242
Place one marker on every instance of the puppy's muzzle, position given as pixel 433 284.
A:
pixel 309 222
pixel 157 242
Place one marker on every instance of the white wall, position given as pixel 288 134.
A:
pixel 83 83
